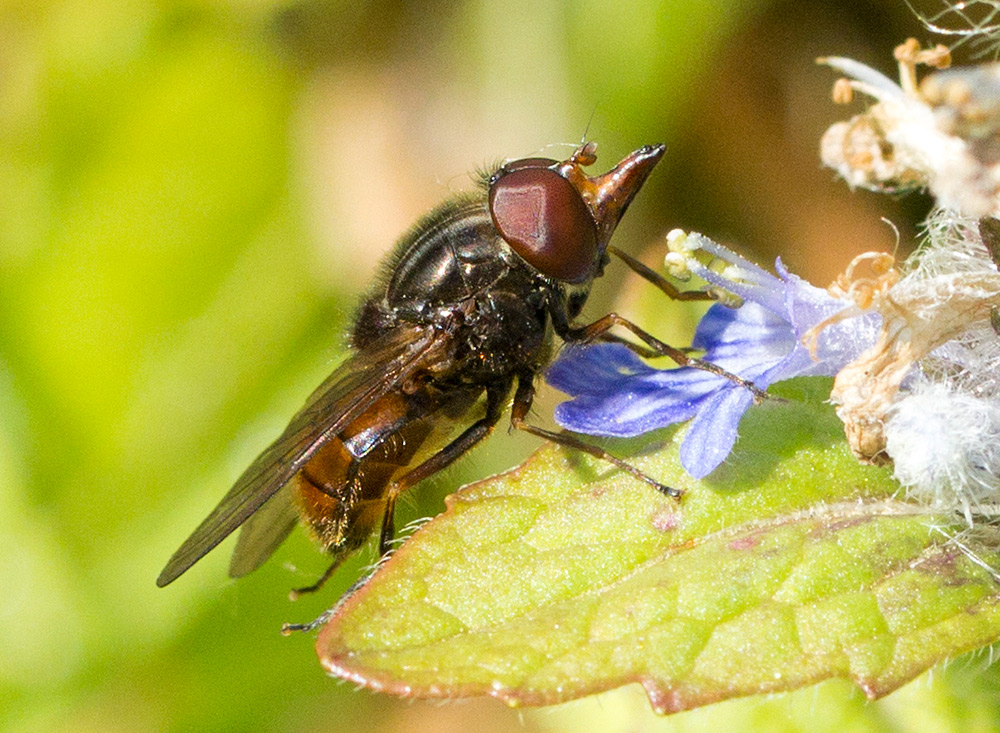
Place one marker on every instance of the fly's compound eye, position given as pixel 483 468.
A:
pixel 544 219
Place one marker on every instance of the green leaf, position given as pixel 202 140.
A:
pixel 560 578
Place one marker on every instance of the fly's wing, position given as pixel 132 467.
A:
pixel 344 395
pixel 263 533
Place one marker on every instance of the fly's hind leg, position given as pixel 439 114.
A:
pixel 295 593
pixel 496 396
pixel 523 398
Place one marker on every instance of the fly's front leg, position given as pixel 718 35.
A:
pixel 654 278
pixel 523 398
pixel 496 396
pixel 599 331
pixel 644 351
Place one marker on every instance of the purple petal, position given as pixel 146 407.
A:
pixel 591 369
pixel 744 335
pixel 630 406
pixel 713 431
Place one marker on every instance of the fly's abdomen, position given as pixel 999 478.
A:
pixel 341 491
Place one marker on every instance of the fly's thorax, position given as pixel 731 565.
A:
pixel 457 256
pixel 505 333
pixel 449 257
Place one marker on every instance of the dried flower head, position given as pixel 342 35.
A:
pixel 942 133
pixel 933 322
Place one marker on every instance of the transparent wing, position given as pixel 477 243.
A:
pixel 263 533
pixel 343 396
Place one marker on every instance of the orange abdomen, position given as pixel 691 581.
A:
pixel 341 492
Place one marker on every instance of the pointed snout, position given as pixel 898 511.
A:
pixel 609 195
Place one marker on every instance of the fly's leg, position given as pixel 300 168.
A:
pixel 656 279
pixel 598 331
pixel 388 531
pixel 644 351
pixel 523 398
pixel 288 629
pixel 496 396
pixel 293 595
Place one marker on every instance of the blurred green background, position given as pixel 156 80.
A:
pixel 192 196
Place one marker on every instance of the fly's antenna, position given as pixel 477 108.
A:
pixel 586 130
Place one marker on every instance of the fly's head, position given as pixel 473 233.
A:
pixel 557 218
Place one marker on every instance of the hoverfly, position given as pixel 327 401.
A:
pixel 462 316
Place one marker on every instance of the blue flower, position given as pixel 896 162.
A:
pixel 615 393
